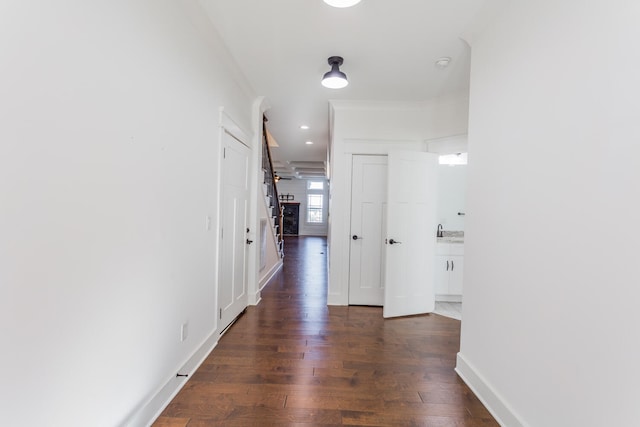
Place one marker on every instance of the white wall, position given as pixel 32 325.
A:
pixel 549 331
pixel 376 128
pixel 272 260
pixel 108 151
pixel 452 188
pixel 298 188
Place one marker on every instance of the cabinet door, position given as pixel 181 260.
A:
pixel 456 264
pixel 443 265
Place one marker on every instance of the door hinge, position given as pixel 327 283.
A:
pixel 220 313
pixel 224 153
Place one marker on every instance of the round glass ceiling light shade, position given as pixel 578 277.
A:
pixel 335 79
pixel 342 3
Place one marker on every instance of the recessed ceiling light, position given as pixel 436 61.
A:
pixel 443 62
pixel 342 3
pixel 304 127
pixel 309 142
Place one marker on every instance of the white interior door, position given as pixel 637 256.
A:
pixel 368 221
pixel 232 287
pixel 411 233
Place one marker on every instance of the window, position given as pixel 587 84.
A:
pixel 453 159
pixel 315 185
pixel 314 208
pixel 315 202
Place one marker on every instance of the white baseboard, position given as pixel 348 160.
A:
pixel 337 299
pixel 495 404
pixel 267 277
pixel 254 298
pixel 448 298
pixel 147 414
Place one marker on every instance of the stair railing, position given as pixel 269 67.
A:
pixel 270 181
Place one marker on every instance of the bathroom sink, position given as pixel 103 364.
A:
pixel 450 236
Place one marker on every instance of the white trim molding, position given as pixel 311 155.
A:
pixel 267 278
pixel 233 128
pixel 448 145
pixel 150 411
pixel 490 398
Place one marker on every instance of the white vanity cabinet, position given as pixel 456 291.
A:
pixel 449 268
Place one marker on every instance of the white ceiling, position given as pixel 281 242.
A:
pixel 389 49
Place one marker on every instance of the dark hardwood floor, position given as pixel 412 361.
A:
pixel 294 361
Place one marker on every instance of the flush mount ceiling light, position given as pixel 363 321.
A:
pixel 304 127
pixel 309 142
pixel 342 3
pixel 335 79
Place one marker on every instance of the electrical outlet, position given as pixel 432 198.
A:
pixel 208 223
pixel 184 331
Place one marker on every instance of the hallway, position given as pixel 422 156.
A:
pixel 294 361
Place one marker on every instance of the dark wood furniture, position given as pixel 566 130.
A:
pixel 291 218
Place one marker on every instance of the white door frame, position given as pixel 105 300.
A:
pixel 339 237
pixel 230 127
pixel 367 229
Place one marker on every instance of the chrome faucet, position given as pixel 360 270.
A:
pixel 439 232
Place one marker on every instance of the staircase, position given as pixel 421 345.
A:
pixel 270 191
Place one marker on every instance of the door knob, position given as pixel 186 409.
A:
pixel 355 237
pixel 249 242
pixel 393 242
